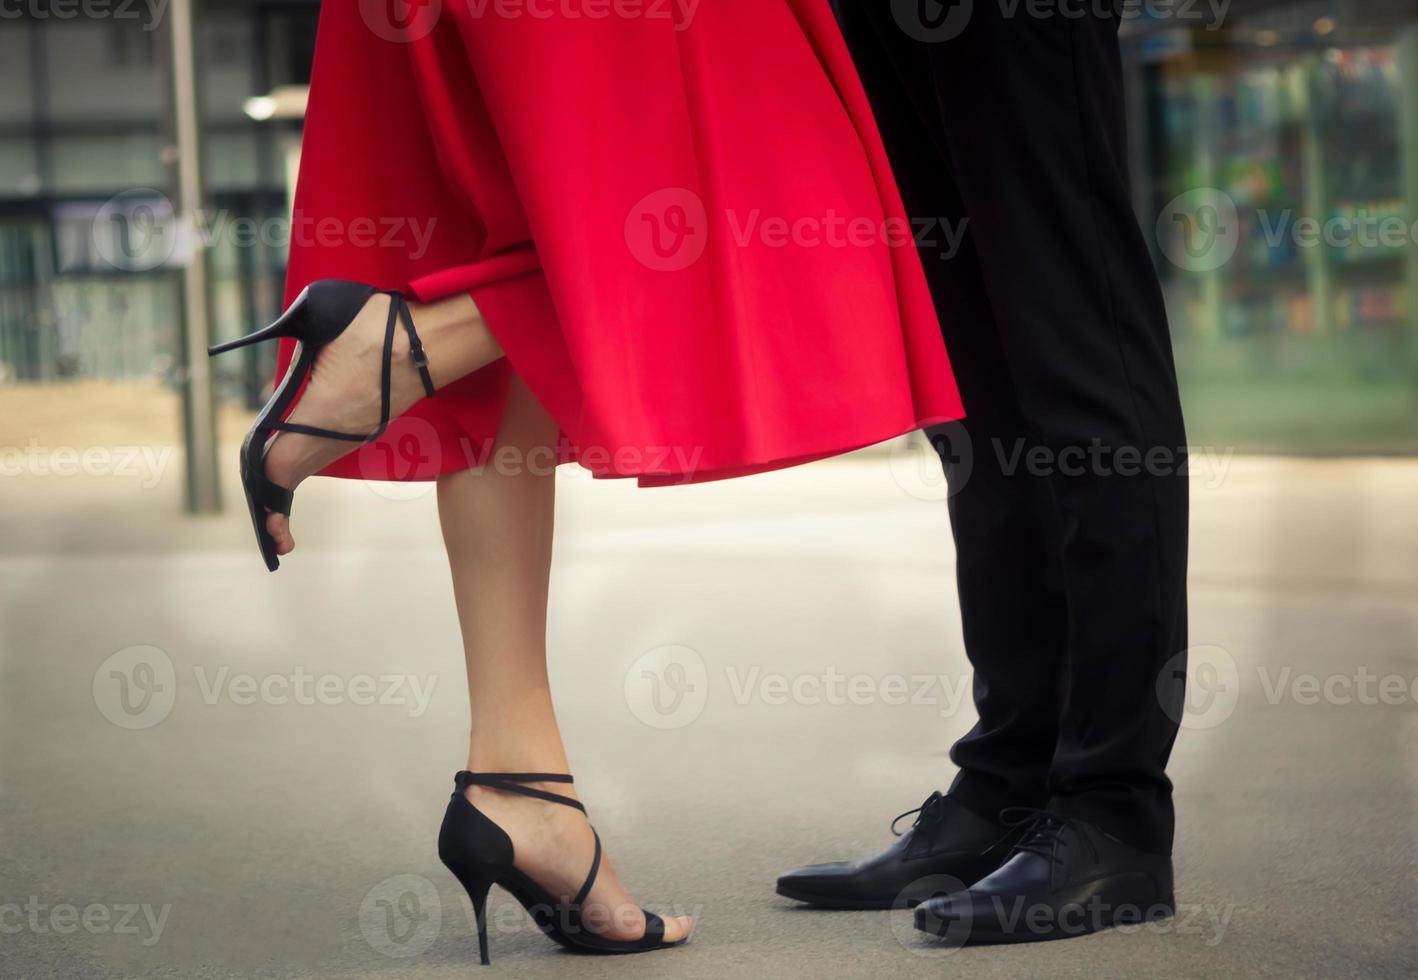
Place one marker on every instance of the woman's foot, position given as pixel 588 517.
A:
pixel 554 846
pixel 343 392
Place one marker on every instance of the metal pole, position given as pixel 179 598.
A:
pixel 1408 61
pixel 1316 201
pixel 199 415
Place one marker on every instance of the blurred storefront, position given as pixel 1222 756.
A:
pixel 1277 158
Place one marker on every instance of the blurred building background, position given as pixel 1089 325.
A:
pixel 89 284
pixel 1275 145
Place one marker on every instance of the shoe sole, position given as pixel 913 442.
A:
pixel 829 903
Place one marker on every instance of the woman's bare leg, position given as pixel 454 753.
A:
pixel 343 393
pixel 497 526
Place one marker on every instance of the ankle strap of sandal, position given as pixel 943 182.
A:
pixel 511 782
pixel 398 314
pixel 400 308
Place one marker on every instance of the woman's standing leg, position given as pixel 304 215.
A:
pixel 497 527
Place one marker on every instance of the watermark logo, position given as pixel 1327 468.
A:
pixel 1200 231
pixel 667 687
pixel 389 465
pixel 401 21
pixel 952 933
pixel 1208 682
pixel 136 231
pixel 668 230
pixel 933 465
pixel 933 21
pixel 401 916
pixel 136 687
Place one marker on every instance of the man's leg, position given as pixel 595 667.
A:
pixel 1031 107
pixel 1007 570
pixel 1033 113
pixel 1031 133
pixel 1010 589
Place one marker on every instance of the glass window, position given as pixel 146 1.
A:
pixel 102 71
pixel 16 97
pixel 19 167
pixel 107 164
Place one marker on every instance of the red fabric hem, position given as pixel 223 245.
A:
pixel 433 439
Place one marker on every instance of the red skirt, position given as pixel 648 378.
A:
pixel 677 218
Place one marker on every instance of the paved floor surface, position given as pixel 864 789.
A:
pixel 212 771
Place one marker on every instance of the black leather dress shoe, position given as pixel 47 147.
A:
pixel 948 847
pixel 1065 878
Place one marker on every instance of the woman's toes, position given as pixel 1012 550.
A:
pixel 278 527
pixel 678 927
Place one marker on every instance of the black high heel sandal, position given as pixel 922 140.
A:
pixel 479 853
pixel 322 312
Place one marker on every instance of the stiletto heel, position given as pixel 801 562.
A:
pixel 479 853
pixel 322 312
pixel 477 890
pixel 286 326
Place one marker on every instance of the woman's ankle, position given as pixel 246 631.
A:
pixel 455 337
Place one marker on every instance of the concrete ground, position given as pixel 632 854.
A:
pixel 212 771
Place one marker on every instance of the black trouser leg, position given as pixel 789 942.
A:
pixel 1010 587
pixel 1026 121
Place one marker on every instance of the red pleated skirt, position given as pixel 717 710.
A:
pixel 677 218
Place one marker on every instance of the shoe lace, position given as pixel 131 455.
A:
pixel 928 813
pixel 1045 833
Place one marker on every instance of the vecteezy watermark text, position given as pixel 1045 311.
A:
pixel 140 230
pixel 1099 459
pixel 119 919
pixel 300 687
pixel 669 687
pixel 406 21
pixel 150 12
pixel 681 12
pixel 938 21
pixel 834 230
pixel 136 688
pixel 146 464
pixel 1215 682
pixel 1203 229
pixel 402 916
